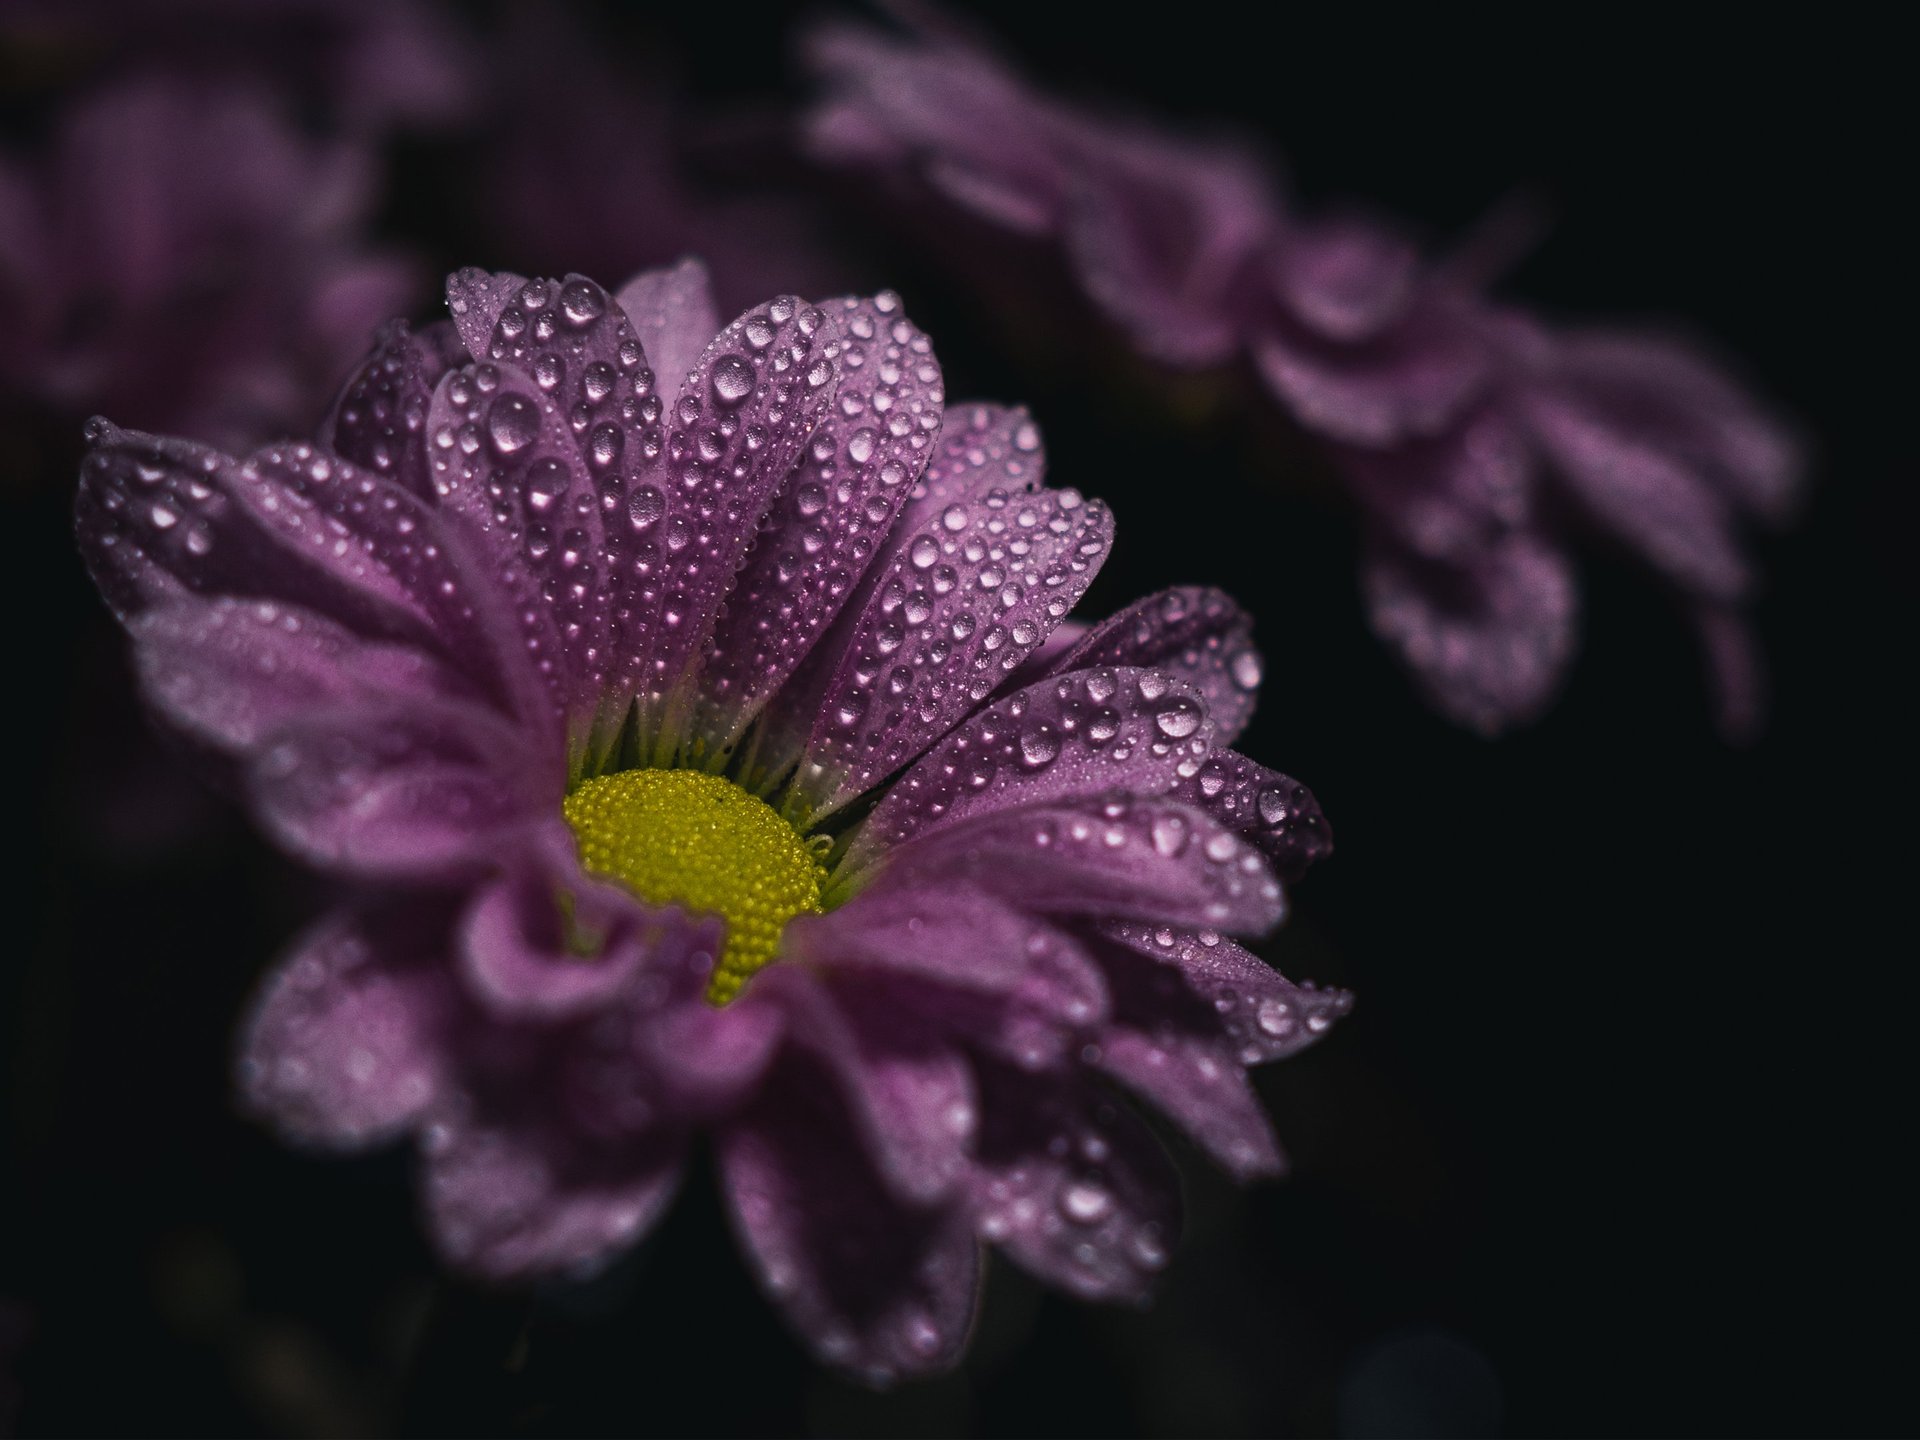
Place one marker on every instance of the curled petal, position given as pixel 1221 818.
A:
pixel 520 1198
pixel 1487 643
pixel 1192 631
pixel 864 1282
pixel 387 791
pixel 1077 734
pixel 343 1046
pixel 1072 1186
pixel 1273 812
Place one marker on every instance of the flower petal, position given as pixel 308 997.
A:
pixel 909 1092
pixel 864 1282
pixel 1487 644
pixel 1200 1088
pixel 380 420
pixel 1346 279
pixel 343 1045
pixel 1125 857
pixel 673 313
pixel 740 422
pixel 230 671
pixel 1072 1186
pixel 825 526
pixel 1203 985
pixel 972 593
pixel 505 462
pixel 1656 504
pixel 514 1197
pixel 1449 497
pixel 1195 632
pixel 389 790
pixel 1273 812
pixel 1077 734
pixel 475 299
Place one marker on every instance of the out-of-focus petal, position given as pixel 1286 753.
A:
pixel 673 313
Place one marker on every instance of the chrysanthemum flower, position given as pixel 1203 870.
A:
pixel 698 715
pixel 1473 438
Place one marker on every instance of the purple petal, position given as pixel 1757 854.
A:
pixel 229 671
pixel 951 934
pixel 1412 381
pixel 825 527
pixel 546 941
pixel 392 791
pixel 1275 814
pixel 672 312
pixel 1196 632
pixel 1450 497
pixel 160 519
pixel 1072 1186
pixel 739 424
pixel 1658 506
pixel 1161 231
pixel 1346 280
pixel 1487 644
pixel 505 462
pixel 343 1045
pixel 973 592
pixel 1078 734
pixel 864 1282
pixel 1124 857
pixel 910 1093
pixel 1672 396
pixel 1736 672
pixel 380 420
pixel 475 299
pixel 1202 1090
pixel 1206 987
pixel 520 1197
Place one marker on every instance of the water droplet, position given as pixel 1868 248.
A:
pixel 512 423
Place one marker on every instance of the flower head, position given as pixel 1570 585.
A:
pixel 1473 438
pixel 696 706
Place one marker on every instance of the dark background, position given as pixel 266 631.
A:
pixel 1614 1140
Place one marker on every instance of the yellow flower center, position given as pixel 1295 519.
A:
pixel 681 837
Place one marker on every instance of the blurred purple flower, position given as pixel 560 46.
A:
pixel 1470 435
pixel 697 714
pixel 369 65
pixel 166 218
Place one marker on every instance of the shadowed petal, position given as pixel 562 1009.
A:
pixel 343 1046
pixel 1193 631
pixel 379 421
pixel 1072 1186
pixel 517 1197
pixel 865 1283
pixel 1449 498
pixel 228 672
pixel 1203 1091
pixel 1125 856
pixel 1077 734
pixel 1273 812
pixel 1204 985
pixel 672 311
pixel 389 791
pixel 825 526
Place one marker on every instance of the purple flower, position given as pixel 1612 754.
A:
pixel 1474 438
pixel 170 219
pixel 696 715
